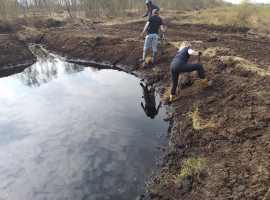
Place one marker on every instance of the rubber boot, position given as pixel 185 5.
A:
pixel 172 98
pixel 144 55
pixel 154 57
pixel 205 84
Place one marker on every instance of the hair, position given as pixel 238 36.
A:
pixel 155 11
pixel 184 44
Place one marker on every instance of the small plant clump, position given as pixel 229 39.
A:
pixel 198 122
pixel 148 59
pixel 195 167
pixel 156 70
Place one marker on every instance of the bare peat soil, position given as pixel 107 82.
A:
pixel 13 52
pixel 236 144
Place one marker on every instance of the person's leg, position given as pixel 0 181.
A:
pixel 146 44
pixel 199 68
pixel 192 67
pixel 175 77
pixel 154 41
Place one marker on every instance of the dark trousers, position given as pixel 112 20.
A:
pixel 176 68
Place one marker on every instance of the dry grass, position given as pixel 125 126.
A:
pixel 198 122
pixel 166 94
pixel 240 62
pixel 99 35
pixel 266 194
pixel 256 18
pixel 237 61
pixel 195 167
pixel 148 60
pixel 156 70
pixel 27 33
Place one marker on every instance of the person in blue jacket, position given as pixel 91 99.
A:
pixel 179 65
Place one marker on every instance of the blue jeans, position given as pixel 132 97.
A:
pixel 148 39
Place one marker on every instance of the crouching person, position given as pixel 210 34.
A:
pixel 179 65
pixel 152 26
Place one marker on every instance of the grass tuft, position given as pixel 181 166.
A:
pixel 195 167
pixel 156 70
pixel 198 122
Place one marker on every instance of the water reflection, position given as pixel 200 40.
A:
pixel 41 72
pixel 45 69
pixel 81 136
pixel 150 101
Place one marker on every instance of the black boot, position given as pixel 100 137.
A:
pixel 154 57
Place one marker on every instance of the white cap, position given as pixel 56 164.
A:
pixel 147 1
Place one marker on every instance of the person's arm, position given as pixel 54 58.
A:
pixel 194 53
pixel 145 28
pixel 145 15
pixel 161 28
pixel 155 7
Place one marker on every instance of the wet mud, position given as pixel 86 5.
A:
pixel 236 145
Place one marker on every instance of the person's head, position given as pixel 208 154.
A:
pixel 147 1
pixel 184 44
pixel 155 12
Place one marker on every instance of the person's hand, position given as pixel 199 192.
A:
pixel 145 15
pixel 200 53
pixel 142 35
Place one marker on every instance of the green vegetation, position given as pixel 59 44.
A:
pixel 195 167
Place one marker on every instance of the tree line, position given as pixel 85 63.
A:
pixel 14 9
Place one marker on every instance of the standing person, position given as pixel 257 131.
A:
pixel 153 24
pixel 179 64
pixel 150 102
pixel 150 8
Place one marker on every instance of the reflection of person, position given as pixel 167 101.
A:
pixel 150 8
pixel 150 102
pixel 152 26
pixel 179 64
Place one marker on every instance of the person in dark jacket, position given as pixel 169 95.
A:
pixel 150 102
pixel 150 8
pixel 152 26
pixel 179 64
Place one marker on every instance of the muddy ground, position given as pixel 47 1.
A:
pixel 236 145
pixel 14 53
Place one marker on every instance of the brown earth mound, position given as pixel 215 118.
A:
pixel 235 142
pixel 14 52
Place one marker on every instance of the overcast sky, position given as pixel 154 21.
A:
pixel 255 1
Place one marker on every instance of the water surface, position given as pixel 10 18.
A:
pixel 75 133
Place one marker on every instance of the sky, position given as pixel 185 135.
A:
pixel 255 1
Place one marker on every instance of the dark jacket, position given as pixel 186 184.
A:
pixel 149 13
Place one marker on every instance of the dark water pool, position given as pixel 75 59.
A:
pixel 70 132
